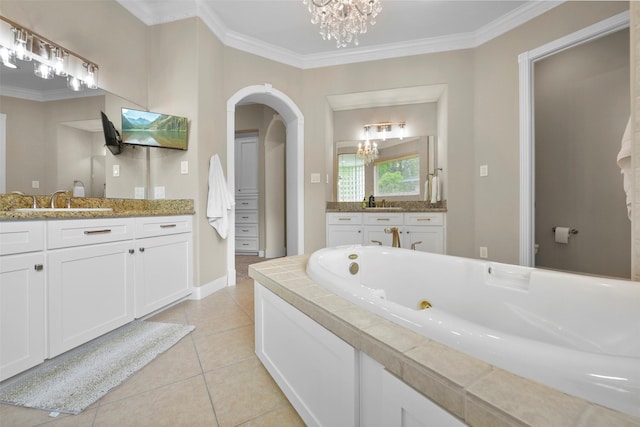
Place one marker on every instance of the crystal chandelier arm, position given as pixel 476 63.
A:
pixel 317 3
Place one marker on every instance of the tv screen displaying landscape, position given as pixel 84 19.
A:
pixel 153 129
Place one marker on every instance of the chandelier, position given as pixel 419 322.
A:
pixel 49 59
pixel 368 150
pixel 343 20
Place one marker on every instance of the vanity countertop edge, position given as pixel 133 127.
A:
pixel 120 208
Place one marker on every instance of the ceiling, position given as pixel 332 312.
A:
pixel 281 29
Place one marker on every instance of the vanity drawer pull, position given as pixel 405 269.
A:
pixel 38 267
pixel 423 219
pixel 167 225
pixel 383 219
pixel 344 219
pixel 105 231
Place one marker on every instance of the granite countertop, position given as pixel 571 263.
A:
pixel 479 394
pixel 400 206
pixel 120 207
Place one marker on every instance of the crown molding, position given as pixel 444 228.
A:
pixel 189 8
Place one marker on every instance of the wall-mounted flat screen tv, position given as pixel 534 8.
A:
pixel 111 136
pixel 153 129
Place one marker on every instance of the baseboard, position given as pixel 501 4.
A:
pixel 200 292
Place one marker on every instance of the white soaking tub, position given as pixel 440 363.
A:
pixel 578 334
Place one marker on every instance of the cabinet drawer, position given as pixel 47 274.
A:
pixel 247 217
pixel 162 225
pixel 424 218
pixel 383 218
pixel 62 234
pixel 248 230
pixel 246 245
pixel 21 236
pixel 344 218
pixel 244 204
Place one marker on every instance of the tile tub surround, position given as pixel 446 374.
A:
pixel 121 207
pixel 406 206
pixel 474 391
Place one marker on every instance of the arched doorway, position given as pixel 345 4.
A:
pixel 294 121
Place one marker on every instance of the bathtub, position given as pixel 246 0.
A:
pixel 578 334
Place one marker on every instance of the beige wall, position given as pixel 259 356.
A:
pixel 496 129
pixel 157 72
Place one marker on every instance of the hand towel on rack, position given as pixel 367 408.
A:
pixel 219 202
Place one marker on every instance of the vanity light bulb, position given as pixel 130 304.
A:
pixel 91 80
pixel 8 58
pixel 60 62
pixel 74 83
pixel 43 70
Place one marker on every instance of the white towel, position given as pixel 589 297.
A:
pixel 624 162
pixel 220 202
pixel 435 189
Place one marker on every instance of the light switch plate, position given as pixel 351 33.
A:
pixel 139 192
pixel 184 167
pixel 158 193
pixel 315 178
pixel 116 170
pixel 484 170
pixel 484 252
pixel 35 184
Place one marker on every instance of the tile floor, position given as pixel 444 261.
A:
pixel 210 378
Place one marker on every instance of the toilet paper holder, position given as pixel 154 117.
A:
pixel 571 230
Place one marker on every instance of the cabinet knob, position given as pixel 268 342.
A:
pixel 132 251
pixel 38 267
pixel 141 249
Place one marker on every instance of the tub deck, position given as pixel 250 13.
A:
pixel 474 391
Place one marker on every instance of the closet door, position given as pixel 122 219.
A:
pixel 247 165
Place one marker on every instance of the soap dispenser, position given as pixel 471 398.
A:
pixel 372 201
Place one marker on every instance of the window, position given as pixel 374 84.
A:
pixel 397 177
pixel 350 178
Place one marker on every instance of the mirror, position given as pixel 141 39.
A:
pixel 419 141
pixel 54 136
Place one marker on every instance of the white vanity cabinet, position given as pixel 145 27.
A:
pixel 344 228
pixel 22 296
pixel 90 279
pixel 247 237
pixel 427 230
pixel 163 261
pixel 376 223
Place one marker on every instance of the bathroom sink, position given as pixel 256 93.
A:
pixel 63 210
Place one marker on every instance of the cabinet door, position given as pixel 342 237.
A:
pixel 163 271
pixel 338 235
pixel 432 238
pixel 90 293
pixel 376 233
pixel 246 165
pixel 22 308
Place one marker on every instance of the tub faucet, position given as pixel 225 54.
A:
pixel 395 235
pixel 34 204
pixel 52 202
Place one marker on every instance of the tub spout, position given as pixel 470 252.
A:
pixel 396 236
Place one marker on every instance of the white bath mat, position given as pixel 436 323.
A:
pixel 74 380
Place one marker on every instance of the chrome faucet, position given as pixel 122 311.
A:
pixel 52 202
pixel 395 235
pixel 34 204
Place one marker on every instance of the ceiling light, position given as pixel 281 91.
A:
pixel 91 80
pixel 343 20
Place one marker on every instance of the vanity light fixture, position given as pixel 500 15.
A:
pixel 50 59
pixel 343 20
pixel 368 150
